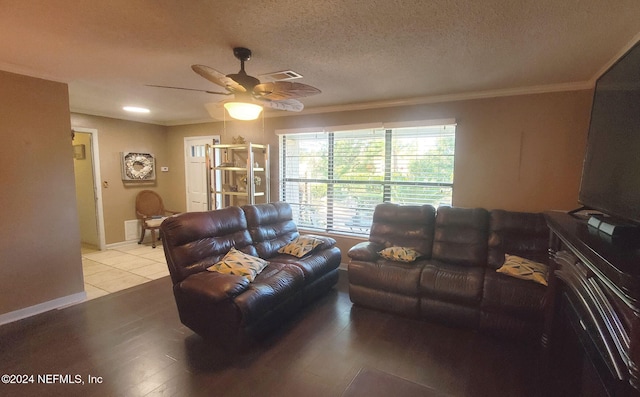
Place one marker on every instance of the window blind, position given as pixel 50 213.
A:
pixel 334 180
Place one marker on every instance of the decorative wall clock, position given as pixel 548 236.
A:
pixel 138 166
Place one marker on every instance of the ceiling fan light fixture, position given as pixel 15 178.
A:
pixel 243 110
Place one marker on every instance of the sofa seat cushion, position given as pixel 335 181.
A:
pixel 511 295
pixel 314 265
pixel 453 283
pixel 277 284
pixel 385 275
pixel 212 286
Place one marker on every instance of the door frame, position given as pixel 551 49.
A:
pixel 187 141
pixel 95 155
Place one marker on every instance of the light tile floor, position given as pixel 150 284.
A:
pixel 122 267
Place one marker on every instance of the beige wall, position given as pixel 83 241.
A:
pixel 116 136
pixel 40 240
pixel 521 153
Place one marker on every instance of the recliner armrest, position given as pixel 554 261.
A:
pixel 213 286
pixel 365 251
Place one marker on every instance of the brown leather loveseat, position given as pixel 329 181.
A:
pixel 454 280
pixel 229 308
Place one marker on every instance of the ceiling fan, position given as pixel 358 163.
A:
pixel 249 92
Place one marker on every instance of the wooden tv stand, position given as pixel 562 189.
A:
pixel 594 306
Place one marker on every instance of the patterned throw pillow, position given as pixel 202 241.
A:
pixel 240 264
pixel 399 254
pixel 301 246
pixel 524 269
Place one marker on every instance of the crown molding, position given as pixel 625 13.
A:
pixel 29 72
pixel 542 89
pixel 126 117
pixel 576 86
pixel 615 58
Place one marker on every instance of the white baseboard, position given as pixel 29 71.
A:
pixel 120 244
pixel 42 307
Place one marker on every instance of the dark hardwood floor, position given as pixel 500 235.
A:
pixel 133 343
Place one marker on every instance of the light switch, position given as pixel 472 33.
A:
pixel 164 169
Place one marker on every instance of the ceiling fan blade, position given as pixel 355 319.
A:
pixel 291 105
pixel 218 78
pixel 188 89
pixel 281 90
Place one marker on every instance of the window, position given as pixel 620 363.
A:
pixel 334 180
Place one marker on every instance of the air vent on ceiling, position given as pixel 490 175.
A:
pixel 280 76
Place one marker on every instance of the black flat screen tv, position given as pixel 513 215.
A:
pixel 611 170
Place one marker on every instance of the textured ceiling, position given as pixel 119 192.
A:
pixel 359 53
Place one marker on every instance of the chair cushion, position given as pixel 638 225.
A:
pixel 155 222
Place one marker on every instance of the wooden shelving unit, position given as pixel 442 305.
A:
pixel 238 174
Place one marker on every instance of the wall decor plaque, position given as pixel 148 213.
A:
pixel 138 166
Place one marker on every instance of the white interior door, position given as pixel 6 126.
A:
pixel 195 170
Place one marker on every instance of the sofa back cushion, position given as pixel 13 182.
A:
pixel 404 226
pixel 194 241
pixel 524 234
pixel 271 227
pixel 461 236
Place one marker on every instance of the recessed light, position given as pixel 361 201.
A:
pixel 136 109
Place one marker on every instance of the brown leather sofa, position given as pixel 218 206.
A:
pixel 228 308
pixel 455 280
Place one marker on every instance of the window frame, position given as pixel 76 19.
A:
pixel 387 183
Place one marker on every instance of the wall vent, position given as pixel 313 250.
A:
pixel 280 76
pixel 132 230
